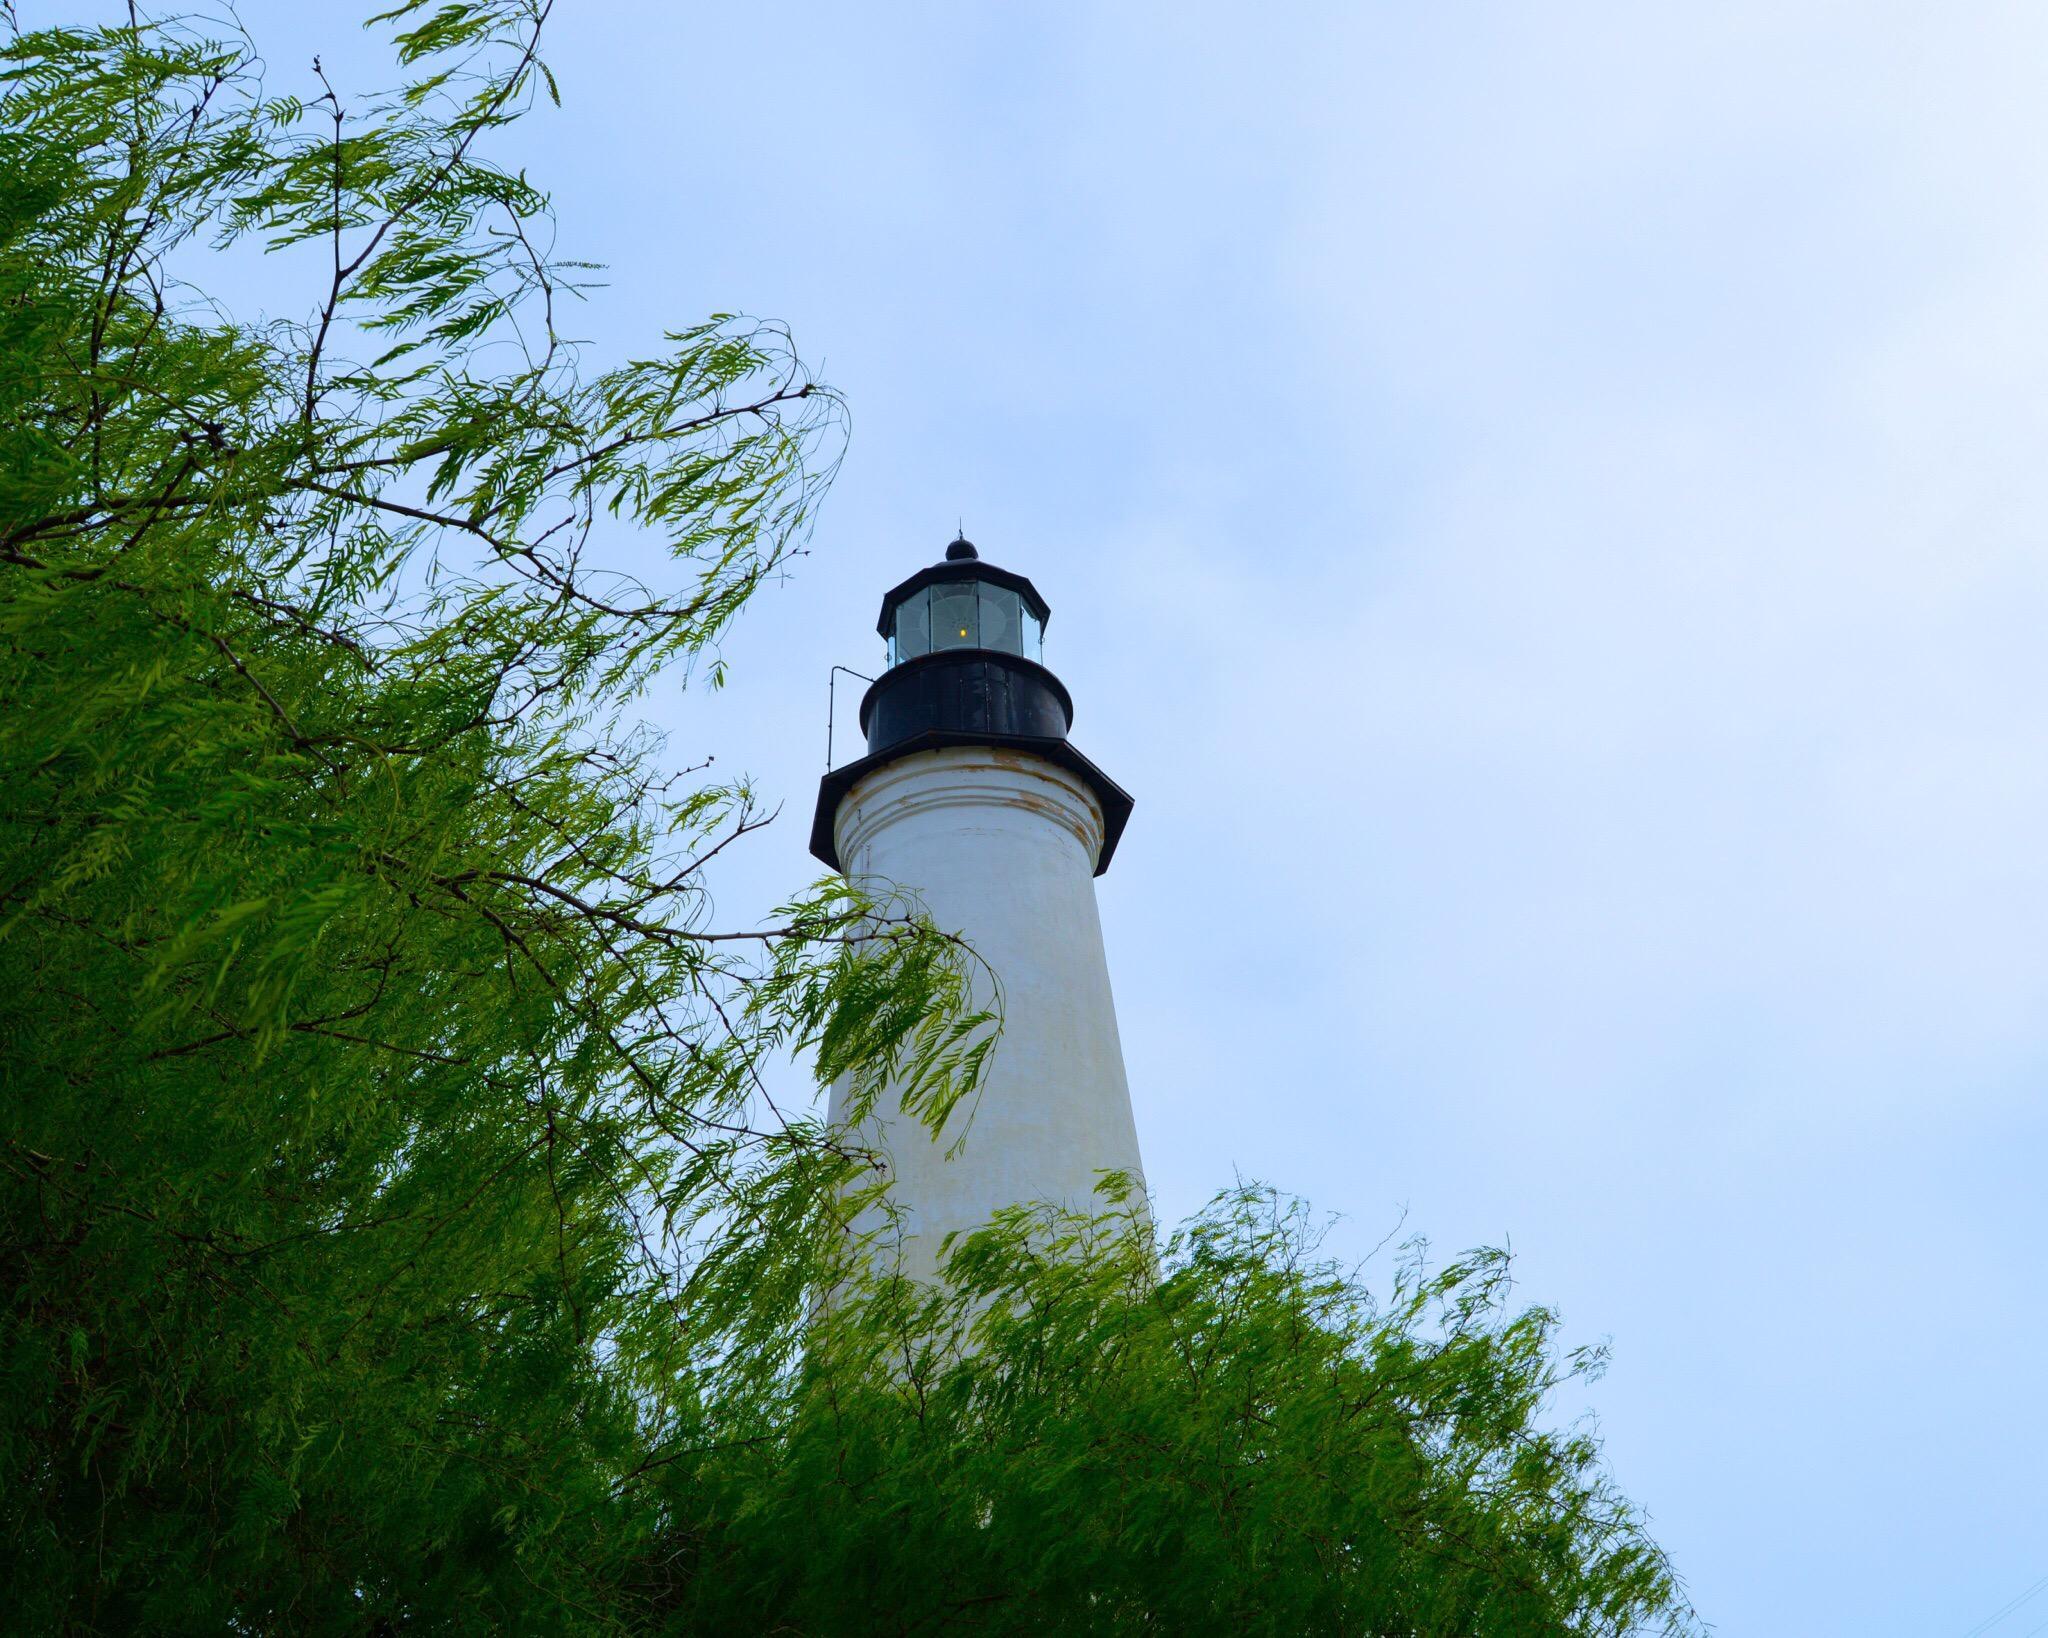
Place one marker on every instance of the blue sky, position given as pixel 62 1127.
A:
pixel 1544 507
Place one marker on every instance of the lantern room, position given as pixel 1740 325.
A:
pixel 963 603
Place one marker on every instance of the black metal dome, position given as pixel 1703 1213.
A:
pixel 967 565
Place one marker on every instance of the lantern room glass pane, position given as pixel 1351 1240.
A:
pixel 1033 646
pixel 956 615
pixel 913 633
pixel 1002 611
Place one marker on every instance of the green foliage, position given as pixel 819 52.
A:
pixel 1078 1436
pixel 395 1231
pixel 382 1147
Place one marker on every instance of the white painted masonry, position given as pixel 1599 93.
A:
pixel 1000 845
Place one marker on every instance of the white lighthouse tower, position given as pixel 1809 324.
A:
pixel 971 797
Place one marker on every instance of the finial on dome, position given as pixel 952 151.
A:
pixel 961 550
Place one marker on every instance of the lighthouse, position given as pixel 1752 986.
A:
pixel 971 797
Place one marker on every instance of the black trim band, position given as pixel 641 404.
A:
pixel 1115 800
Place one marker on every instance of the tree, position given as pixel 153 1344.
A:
pixel 1078 1435
pixel 381 1142
pixel 396 1231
